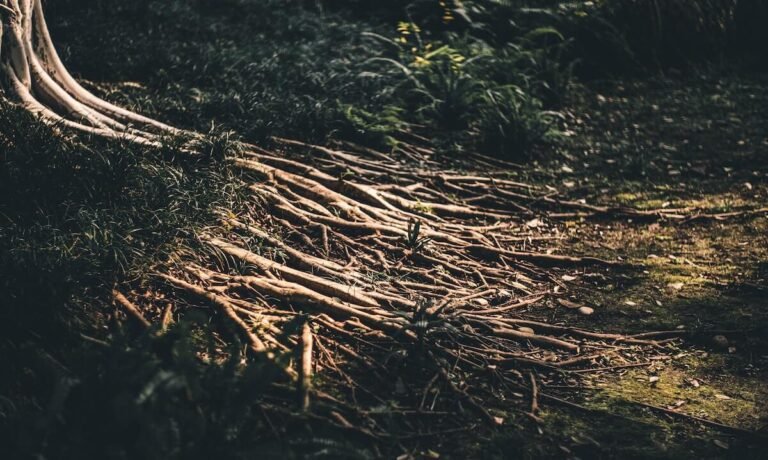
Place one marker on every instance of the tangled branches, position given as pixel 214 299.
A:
pixel 392 260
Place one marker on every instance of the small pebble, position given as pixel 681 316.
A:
pixel 720 341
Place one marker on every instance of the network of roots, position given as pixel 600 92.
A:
pixel 388 260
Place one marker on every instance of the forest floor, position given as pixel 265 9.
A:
pixel 659 143
pixel 670 143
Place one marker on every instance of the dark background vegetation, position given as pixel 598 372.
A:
pixel 79 215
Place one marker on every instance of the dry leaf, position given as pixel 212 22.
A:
pixel 568 304
pixel 534 223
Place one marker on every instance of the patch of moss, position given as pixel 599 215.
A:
pixel 691 386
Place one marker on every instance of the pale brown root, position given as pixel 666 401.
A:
pixel 130 308
pixel 535 338
pixel 226 308
pixel 328 288
pixel 305 367
pixel 534 394
pixel 167 318
pixel 62 75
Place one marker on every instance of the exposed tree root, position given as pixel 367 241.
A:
pixel 393 257
pixel 130 308
pixel 305 367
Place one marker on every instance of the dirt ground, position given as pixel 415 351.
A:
pixel 698 144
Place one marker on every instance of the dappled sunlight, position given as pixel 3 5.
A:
pixel 416 230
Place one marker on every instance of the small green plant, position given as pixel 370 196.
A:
pixel 413 241
pixel 376 127
pixel 437 82
pixel 511 121
pixel 426 319
pixel 449 93
pixel 219 143
pixel 469 93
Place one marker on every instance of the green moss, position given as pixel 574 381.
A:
pixel 626 198
pixel 718 397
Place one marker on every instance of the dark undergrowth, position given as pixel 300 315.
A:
pixel 305 70
pixel 78 217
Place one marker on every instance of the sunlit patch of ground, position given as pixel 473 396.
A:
pixel 708 277
pixel 693 382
